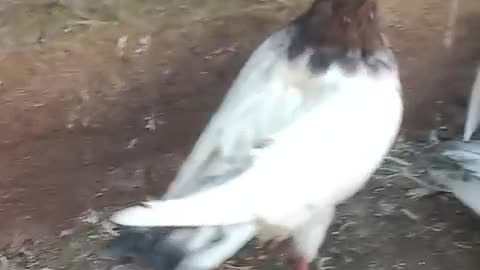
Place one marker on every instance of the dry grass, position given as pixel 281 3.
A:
pixel 77 59
pixel 69 22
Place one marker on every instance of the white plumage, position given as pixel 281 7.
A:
pixel 314 159
pixel 289 142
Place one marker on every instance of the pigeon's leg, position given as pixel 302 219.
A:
pixel 282 246
pixel 299 263
pixel 308 238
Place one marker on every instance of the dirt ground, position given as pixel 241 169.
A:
pixel 101 100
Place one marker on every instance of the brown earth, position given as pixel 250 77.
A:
pixel 101 100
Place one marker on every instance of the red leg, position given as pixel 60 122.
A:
pixel 299 263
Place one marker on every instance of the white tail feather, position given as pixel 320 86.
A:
pixel 213 207
pixel 473 113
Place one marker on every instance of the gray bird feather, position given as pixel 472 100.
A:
pixel 451 166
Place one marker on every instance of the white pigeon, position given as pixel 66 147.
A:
pixel 304 125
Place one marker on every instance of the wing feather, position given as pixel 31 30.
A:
pixel 245 121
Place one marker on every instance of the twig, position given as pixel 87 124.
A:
pixel 409 214
pixel 397 160
pixel 88 22
pixel 234 267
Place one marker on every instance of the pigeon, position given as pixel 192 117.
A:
pixel 283 149
pixel 452 166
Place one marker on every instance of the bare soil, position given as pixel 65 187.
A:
pixel 101 100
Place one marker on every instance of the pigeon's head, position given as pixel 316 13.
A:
pixel 349 24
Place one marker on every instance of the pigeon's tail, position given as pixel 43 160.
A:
pixel 180 248
pixel 152 246
pixel 473 112
pixel 221 205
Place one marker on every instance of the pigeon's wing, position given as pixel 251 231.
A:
pixel 254 108
pixel 473 112
pixel 261 103
pixel 257 106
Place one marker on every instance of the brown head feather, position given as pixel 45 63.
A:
pixel 349 24
pixel 335 27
